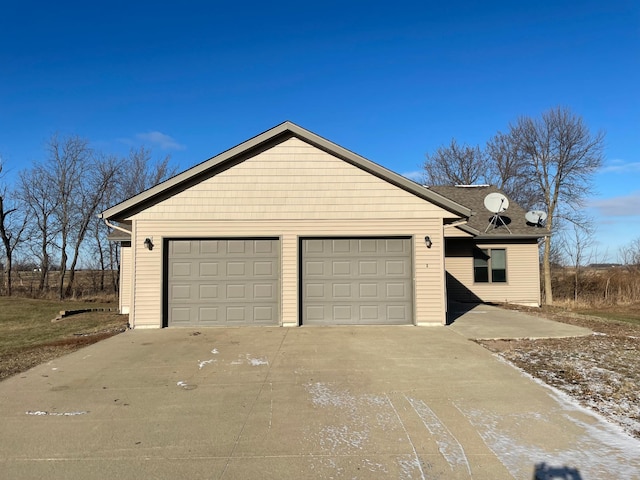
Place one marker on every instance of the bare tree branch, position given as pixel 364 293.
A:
pixel 456 165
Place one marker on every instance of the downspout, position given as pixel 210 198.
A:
pixel 464 221
pixel 124 230
pixel 116 227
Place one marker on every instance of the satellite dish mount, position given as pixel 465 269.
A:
pixel 536 217
pixel 496 203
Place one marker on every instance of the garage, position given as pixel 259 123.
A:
pixel 356 281
pixel 223 282
pixel 287 229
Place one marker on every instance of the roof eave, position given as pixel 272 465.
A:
pixel 512 236
pixel 119 210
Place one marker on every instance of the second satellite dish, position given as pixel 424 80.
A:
pixel 496 202
pixel 536 217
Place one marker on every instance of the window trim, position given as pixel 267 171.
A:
pixel 478 254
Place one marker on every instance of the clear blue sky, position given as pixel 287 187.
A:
pixel 388 80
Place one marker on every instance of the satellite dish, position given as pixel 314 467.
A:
pixel 536 217
pixel 496 202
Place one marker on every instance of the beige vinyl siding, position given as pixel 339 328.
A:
pixel 125 277
pixel 293 180
pixel 523 273
pixel 289 191
pixel 428 272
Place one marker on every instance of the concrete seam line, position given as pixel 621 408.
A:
pixel 266 377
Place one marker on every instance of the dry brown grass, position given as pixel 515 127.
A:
pixel 597 287
pixel 29 338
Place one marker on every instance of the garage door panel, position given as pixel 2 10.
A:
pixel 261 269
pixel 208 247
pixel 237 314
pixel 263 291
pixel 368 290
pixel 397 291
pixel 237 246
pixel 395 267
pixel 263 246
pixel 237 292
pixel 343 313
pixel 357 281
pixel 370 313
pixel 264 315
pixel 208 314
pixel 314 268
pixel 341 268
pixel 181 314
pixel 181 292
pixel 341 290
pixel 181 248
pixel 314 313
pixel 397 314
pixel 181 269
pixel 395 246
pixel 368 246
pixel 208 292
pixel 220 282
pixel 368 267
pixel 208 269
pixel 341 246
pixel 235 269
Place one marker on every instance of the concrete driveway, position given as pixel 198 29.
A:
pixel 480 321
pixel 332 402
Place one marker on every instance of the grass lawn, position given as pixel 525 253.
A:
pixel 628 315
pixel 28 337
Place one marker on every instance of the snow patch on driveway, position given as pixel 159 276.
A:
pixel 250 360
pixel 618 454
pixel 41 413
pixel 448 444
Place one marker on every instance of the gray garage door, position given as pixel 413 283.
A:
pixel 357 281
pixel 223 282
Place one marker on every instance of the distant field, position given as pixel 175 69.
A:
pixel 88 283
pixel 28 337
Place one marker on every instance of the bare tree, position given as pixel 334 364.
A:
pixel 545 162
pixel 37 192
pixel 509 172
pixel 576 244
pixel 455 164
pixel 67 164
pixel 143 173
pixel 562 156
pixel 629 254
pixel 96 178
pixel 13 223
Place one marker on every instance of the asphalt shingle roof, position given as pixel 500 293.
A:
pixel 473 197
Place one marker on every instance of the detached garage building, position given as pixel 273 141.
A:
pixel 285 229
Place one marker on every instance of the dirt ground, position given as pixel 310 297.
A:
pixel 600 371
pixel 92 328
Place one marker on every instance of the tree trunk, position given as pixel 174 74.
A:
pixel 8 273
pixel 44 268
pixel 63 271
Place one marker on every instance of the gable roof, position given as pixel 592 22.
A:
pixel 259 143
pixel 472 196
